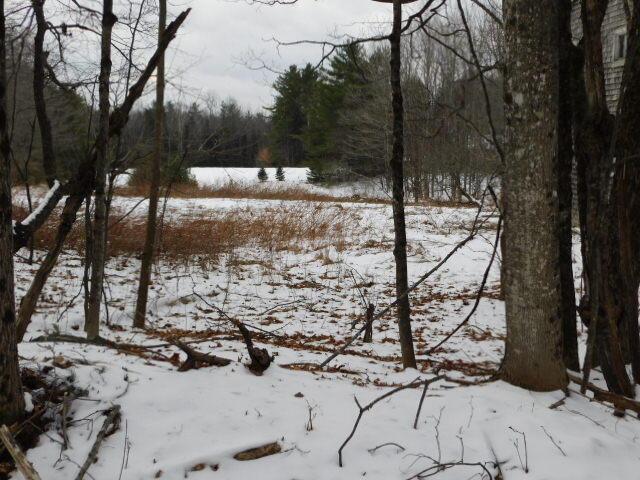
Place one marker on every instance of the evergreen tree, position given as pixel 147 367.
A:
pixel 289 114
pixel 314 176
pixel 307 106
pixel 280 174
pixel 263 176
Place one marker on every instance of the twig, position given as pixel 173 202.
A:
pixel 553 441
pixel 424 394
pixel 525 465
pixel 415 383
pixel 388 444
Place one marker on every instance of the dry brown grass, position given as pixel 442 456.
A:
pixel 235 190
pixel 295 228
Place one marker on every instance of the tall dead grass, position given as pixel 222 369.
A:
pixel 283 227
pixel 235 190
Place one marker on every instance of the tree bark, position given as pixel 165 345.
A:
pixel 98 255
pixel 11 399
pixel 154 188
pixel 565 192
pixel 628 151
pixel 533 355
pixel 397 175
pixel 595 148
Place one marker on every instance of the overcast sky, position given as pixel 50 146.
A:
pixel 221 36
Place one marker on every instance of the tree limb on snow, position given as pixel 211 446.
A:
pixel 110 425
pixel 22 464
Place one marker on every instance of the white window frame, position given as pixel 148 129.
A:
pixel 620 45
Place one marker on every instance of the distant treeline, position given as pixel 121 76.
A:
pixel 210 135
pixel 335 119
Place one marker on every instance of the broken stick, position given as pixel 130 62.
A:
pixel 194 358
pixel 110 424
pixel 22 464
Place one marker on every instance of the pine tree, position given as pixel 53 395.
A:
pixel 263 176
pixel 314 176
pixel 280 174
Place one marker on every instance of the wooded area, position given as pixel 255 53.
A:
pixel 493 133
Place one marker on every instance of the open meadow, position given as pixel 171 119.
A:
pixel 300 275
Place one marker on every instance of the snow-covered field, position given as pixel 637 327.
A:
pixel 212 177
pixel 216 175
pixel 301 303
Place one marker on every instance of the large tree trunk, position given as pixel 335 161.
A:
pixel 397 175
pixel 533 356
pixel 154 189
pixel 565 192
pixel 92 322
pixel 11 399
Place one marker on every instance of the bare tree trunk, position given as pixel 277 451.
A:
pixel 11 399
pixel 39 59
pixel 628 149
pixel 565 192
pixel 533 354
pixel 397 175
pixel 92 322
pixel 154 190
pixel 595 146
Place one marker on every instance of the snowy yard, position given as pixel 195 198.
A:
pixel 301 301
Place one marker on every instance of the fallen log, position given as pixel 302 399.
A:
pixel 620 402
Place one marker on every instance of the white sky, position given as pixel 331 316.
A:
pixel 213 49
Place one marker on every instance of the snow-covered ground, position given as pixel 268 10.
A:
pixel 213 177
pixel 302 303
pixel 217 175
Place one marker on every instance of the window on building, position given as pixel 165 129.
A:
pixel 620 46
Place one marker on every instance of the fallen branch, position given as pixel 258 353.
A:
pixel 415 383
pixel 260 357
pixel 441 467
pixel 110 425
pixel 22 464
pixel 388 444
pixel 194 358
pixel 620 402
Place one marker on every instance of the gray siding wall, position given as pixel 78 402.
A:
pixel 615 21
